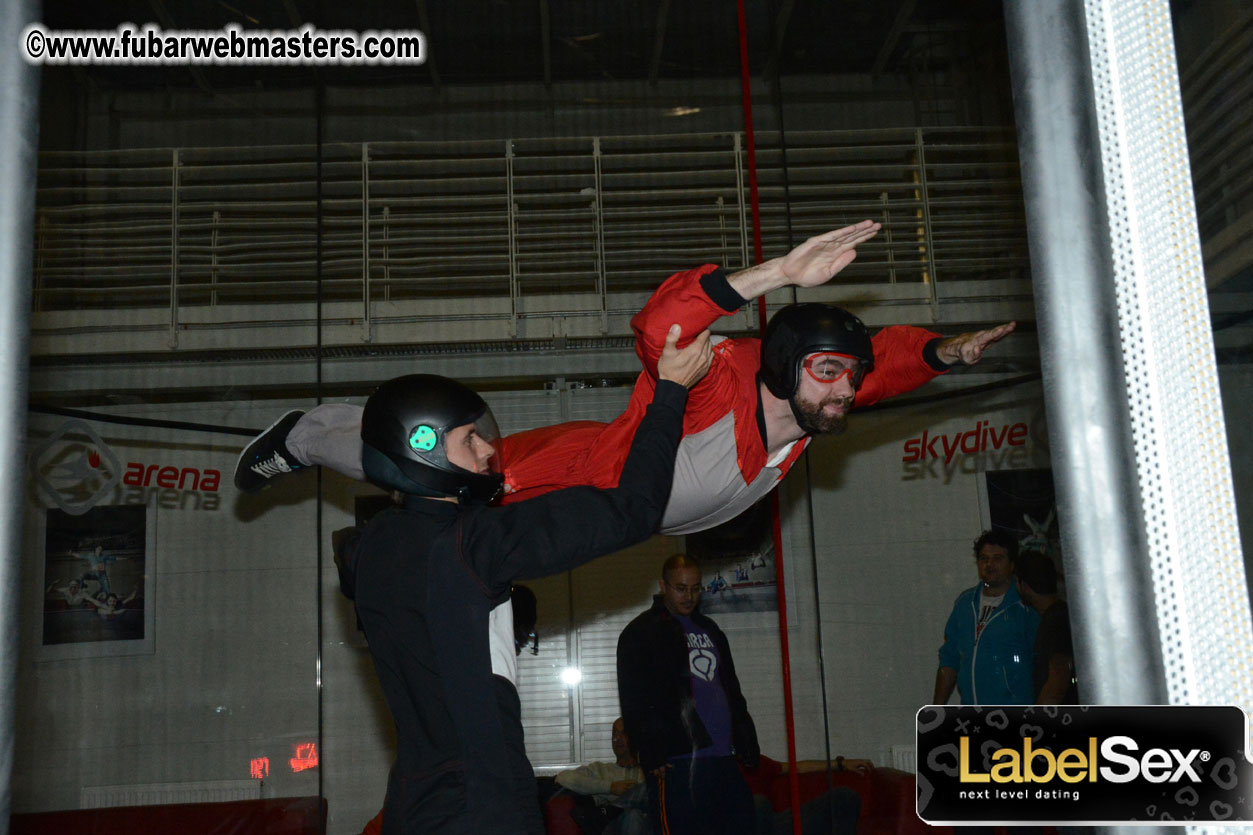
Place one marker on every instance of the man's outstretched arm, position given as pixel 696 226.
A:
pixel 906 357
pixel 697 298
pixel 968 348
pixel 811 264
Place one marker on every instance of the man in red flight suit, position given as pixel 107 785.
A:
pixel 746 423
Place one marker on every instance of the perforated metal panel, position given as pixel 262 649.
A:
pixel 1180 443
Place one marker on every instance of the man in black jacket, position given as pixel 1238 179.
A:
pixel 425 576
pixel 683 708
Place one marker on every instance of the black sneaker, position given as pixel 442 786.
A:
pixel 267 456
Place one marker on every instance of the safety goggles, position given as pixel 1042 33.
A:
pixel 829 367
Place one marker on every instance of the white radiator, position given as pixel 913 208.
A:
pixel 904 757
pixel 158 794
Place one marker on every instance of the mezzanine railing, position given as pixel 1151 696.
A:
pixel 569 220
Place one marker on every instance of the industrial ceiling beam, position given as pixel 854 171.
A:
pixel 546 40
pixel 780 35
pixel 424 23
pixel 903 15
pixel 659 40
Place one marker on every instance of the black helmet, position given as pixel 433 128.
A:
pixel 403 431
pixel 799 330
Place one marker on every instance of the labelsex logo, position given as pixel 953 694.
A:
pixel 1039 765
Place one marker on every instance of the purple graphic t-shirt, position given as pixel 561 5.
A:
pixel 707 692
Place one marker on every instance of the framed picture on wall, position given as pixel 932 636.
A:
pixel 97 583
pixel 738 564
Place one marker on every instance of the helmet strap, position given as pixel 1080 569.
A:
pixel 802 420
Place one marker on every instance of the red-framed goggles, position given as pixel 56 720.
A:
pixel 830 367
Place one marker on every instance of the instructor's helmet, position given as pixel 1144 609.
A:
pixel 799 330
pixel 403 432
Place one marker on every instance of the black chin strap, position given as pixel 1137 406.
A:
pixel 802 420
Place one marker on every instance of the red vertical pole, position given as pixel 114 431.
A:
pixel 746 99
pixel 785 661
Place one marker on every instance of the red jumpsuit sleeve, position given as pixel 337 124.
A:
pixel 898 363
pixel 682 299
pixel 679 300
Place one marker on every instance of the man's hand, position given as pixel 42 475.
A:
pixel 818 259
pixel 968 348
pixel 685 367
pixel 660 771
pixel 620 787
pixel 812 263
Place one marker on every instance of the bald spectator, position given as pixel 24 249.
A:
pixel 685 712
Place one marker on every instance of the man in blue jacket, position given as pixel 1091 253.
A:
pixel 988 640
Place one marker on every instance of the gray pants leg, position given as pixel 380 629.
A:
pixel 329 436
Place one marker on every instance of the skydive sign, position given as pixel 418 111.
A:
pixel 1093 765
pixel 981 446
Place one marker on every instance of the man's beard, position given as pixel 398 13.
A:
pixel 812 421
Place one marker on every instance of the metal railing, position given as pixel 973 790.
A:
pixel 575 218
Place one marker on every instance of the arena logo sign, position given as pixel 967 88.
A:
pixel 984 447
pixel 74 476
pixel 76 470
pixel 139 475
pixel 172 488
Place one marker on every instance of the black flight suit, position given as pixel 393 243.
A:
pixel 426 576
